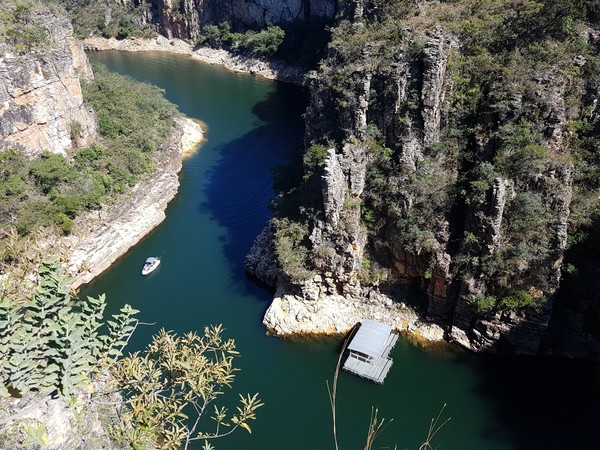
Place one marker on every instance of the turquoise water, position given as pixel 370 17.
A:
pixel 494 403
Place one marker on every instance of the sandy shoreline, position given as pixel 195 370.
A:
pixel 194 132
pixel 273 70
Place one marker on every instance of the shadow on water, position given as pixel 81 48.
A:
pixel 575 323
pixel 540 402
pixel 543 402
pixel 239 187
pixel 551 402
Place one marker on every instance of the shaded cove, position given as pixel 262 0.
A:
pixel 494 402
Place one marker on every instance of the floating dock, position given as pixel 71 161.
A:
pixel 369 350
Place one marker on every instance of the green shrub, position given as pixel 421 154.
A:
pixel 371 273
pixel 524 162
pixel 526 217
pixel 485 304
pixel 50 170
pixel 13 187
pixel 67 206
pixel 64 222
pixel 91 190
pixel 314 160
pixel 517 300
pixel 32 214
pixel 266 41
pixel 51 342
pixel 291 250
pixel 211 35
pixel 88 157
pixel 368 216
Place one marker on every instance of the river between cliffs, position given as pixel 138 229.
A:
pixel 494 402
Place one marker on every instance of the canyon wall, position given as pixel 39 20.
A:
pixel 42 110
pixel 450 173
pixel 184 19
pixel 41 105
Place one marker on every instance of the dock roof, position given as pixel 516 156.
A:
pixel 371 338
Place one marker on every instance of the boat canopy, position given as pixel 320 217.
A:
pixel 150 260
pixel 370 339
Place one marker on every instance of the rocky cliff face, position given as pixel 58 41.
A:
pixel 447 171
pixel 64 426
pixel 41 105
pixel 184 19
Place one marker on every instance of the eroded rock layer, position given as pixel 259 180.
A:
pixel 41 105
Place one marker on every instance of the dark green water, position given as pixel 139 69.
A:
pixel 494 403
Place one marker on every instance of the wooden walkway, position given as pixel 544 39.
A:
pixel 376 370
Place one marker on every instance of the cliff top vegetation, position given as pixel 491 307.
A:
pixel 24 24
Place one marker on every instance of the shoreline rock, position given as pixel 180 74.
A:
pixel 105 235
pixel 192 137
pixel 319 312
pixel 291 316
pixel 273 70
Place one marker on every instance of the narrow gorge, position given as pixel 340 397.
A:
pixel 439 171
pixel 437 159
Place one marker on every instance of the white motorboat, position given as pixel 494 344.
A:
pixel 150 264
